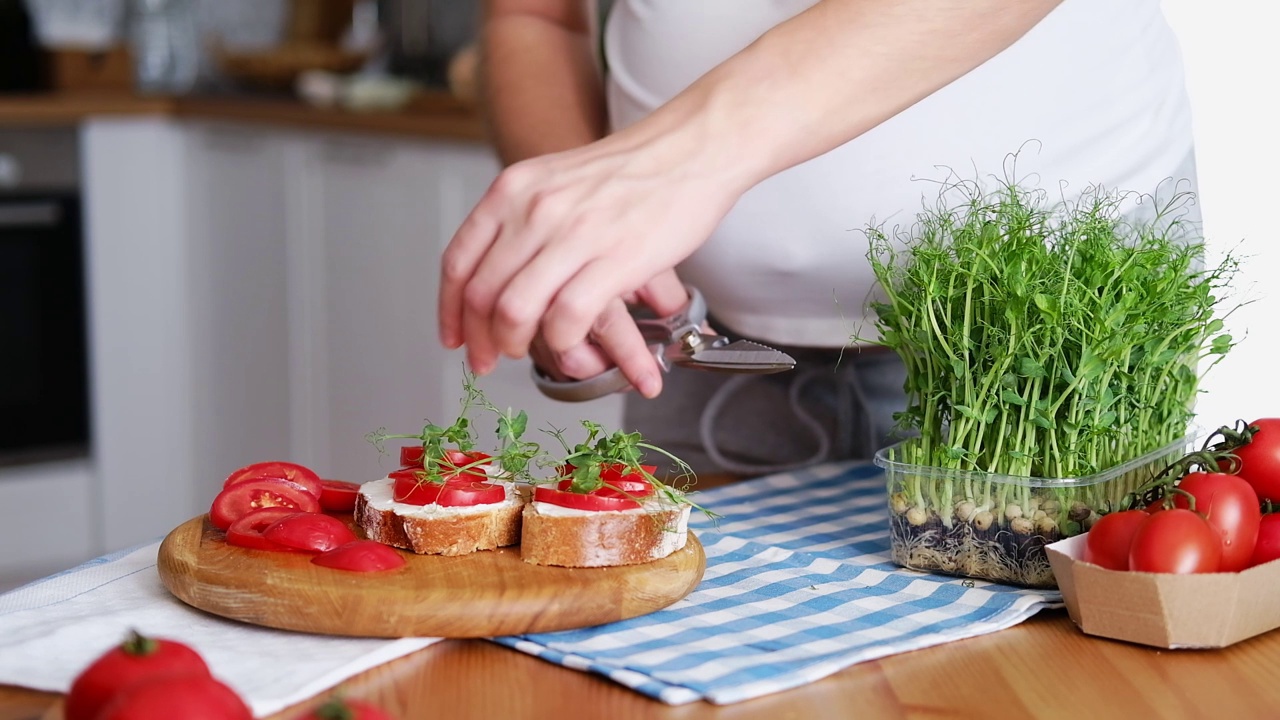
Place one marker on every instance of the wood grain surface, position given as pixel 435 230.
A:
pixel 1043 668
pixel 477 595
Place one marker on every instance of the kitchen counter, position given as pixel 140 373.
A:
pixel 1044 667
pixel 1041 668
pixel 431 115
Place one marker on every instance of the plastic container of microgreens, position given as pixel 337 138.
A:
pixel 995 527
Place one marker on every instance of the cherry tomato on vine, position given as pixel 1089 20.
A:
pixel 1260 459
pixel 1107 543
pixel 1175 541
pixel 1230 506
pixel 1268 545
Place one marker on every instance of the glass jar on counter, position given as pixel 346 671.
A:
pixel 165 44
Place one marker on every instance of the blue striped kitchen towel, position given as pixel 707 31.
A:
pixel 799 585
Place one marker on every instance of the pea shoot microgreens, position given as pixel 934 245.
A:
pixel 586 460
pixel 1048 341
pixel 513 456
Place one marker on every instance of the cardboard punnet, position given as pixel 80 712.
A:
pixel 1209 610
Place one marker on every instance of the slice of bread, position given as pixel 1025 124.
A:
pixel 436 530
pixel 555 535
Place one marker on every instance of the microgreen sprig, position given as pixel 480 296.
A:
pixel 586 461
pixel 513 455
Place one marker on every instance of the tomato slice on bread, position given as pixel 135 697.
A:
pixel 248 530
pixel 361 556
pixel 412 488
pixel 244 497
pixel 277 470
pixel 473 460
pixel 623 488
pixel 583 501
pixel 338 496
pixel 310 532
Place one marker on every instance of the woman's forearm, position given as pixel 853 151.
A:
pixel 541 87
pixel 828 75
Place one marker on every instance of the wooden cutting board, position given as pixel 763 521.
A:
pixel 483 594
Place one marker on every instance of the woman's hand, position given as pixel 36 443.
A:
pixel 559 241
pixel 615 340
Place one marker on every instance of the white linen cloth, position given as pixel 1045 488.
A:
pixel 52 629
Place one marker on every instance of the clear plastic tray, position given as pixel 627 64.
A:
pixel 992 526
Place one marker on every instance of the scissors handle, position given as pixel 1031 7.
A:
pixel 673 327
pixel 606 383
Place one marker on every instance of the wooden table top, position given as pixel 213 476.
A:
pixel 1042 668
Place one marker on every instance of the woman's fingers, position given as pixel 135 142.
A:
pixel 617 336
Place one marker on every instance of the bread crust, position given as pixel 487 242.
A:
pixel 444 535
pixel 602 539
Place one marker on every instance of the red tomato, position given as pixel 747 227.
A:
pixel 247 530
pixel 361 556
pixel 192 697
pixel 1260 460
pixel 277 470
pixel 583 501
pixel 1107 543
pixel 412 488
pixel 311 532
pixel 244 497
pixel 137 659
pixel 1175 541
pixel 348 710
pixel 1230 506
pixel 1268 545
pixel 338 496
pixel 411 455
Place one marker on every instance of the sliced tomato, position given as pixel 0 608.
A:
pixel 411 455
pixel 583 501
pixel 277 470
pixel 247 530
pixel 243 498
pixel 410 489
pixel 310 532
pixel 338 496
pixel 361 556
pixel 619 482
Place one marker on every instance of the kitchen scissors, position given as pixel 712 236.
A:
pixel 677 339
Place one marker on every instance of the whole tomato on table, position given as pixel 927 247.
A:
pixel 136 660
pixel 346 709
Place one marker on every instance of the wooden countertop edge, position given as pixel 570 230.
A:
pixel 433 115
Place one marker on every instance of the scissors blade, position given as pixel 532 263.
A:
pixel 741 356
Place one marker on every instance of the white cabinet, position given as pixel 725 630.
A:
pixel 378 213
pixel 262 294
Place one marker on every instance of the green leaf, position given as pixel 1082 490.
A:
pixel 1221 344
pixel 1012 398
pixel 1030 368
pixel 1009 380
pixel 966 411
pixel 1105 420
pixel 1048 305
pixel 990 415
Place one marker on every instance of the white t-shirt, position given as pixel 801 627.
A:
pixel 1094 94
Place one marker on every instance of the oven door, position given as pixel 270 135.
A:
pixel 44 398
